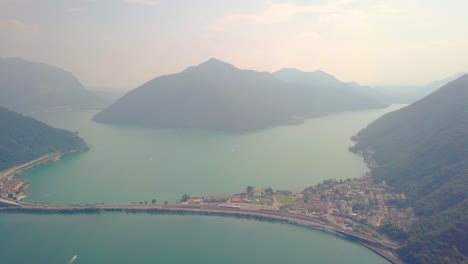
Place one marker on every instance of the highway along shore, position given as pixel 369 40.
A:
pixel 380 245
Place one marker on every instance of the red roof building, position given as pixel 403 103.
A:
pixel 236 199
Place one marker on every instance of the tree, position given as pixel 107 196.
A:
pixel 269 191
pixel 146 202
pixel 10 195
pixel 153 201
pixel 166 202
pixel 249 189
pixel 185 197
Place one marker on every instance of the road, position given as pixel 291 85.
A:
pixel 380 245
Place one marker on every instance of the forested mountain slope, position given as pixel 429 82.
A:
pixel 422 150
pixel 23 139
pixel 216 95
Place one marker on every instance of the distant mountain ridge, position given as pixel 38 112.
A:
pixel 411 93
pixel 27 86
pixel 331 93
pixel 216 95
pixel 23 139
pixel 422 150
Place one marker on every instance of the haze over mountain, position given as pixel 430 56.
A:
pixel 216 95
pixel 410 93
pixel 23 139
pixel 331 93
pixel 27 86
pixel 108 94
pixel 422 150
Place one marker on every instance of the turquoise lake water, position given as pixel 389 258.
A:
pixel 128 164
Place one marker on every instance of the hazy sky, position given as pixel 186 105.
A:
pixel 123 43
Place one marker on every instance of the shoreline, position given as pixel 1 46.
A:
pixel 11 184
pixel 380 246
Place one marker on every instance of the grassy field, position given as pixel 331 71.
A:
pixel 282 199
pixel 260 200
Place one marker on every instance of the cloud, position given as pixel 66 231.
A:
pixel 143 2
pixel 17 25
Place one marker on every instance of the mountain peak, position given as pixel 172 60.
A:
pixel 211 65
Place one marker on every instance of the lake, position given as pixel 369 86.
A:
pixel 128 164
pixel 148 239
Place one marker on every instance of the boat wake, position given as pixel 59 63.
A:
pixel 72 260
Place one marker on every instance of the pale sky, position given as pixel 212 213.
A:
pixel 124 43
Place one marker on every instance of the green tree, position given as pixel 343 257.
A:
pixel 146 202
pixel 185 197
pixel 153 201
pixel 269 191
pixel 249 189
pixel 166 202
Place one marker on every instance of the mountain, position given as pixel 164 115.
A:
pixel 27 86
pixel 23 139
pixel 108 94
pixel 432 86
pixel 422 150
pixel 410 94
pixel 329 92
pixel 216 95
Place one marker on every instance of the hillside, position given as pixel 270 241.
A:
pixel 30 86
pixel 23 139
pixel 422 150
pixel 328 92
pixel 216 95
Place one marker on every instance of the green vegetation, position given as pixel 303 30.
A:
pixel 286 200
pixel 422 150
pixel 260 200
pixel 23 139
pixel 153 201
pixel 393 232
pixel 185 197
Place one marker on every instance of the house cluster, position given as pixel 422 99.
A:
pixel 360 200
pixel 10 187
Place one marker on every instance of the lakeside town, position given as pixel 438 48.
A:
pixel 351 204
